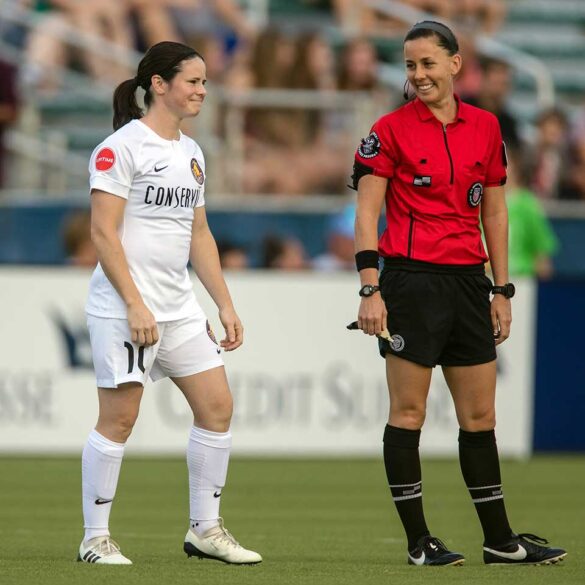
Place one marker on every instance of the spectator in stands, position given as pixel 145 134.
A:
pixel 532 241
pixel 77 242
pixel 232 256
pixel 485 16
pixel 552 156
pixel 283 253
pixel 47 47
pixel 8 109
pixel 495 89
pixel 340 253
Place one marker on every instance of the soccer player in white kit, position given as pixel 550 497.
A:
pixel 148 219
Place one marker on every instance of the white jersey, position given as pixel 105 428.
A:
pixel 163 181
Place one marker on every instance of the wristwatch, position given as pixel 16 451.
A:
pixel 508 290
pixel 368 290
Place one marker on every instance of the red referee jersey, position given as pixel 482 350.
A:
pixel 437 174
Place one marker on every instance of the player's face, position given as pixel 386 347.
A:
pixel 430 69
pixel 186 91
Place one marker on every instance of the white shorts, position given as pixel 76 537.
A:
pixel 185 347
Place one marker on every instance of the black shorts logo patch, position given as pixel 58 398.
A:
pixel 397 343
pixel 422 181
pixel 475 194
pixel 370 146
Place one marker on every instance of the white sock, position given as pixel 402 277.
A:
pixel 208 455
pixel 100 469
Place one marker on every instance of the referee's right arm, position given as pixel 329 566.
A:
pixel 371 192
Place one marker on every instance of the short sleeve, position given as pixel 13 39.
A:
pixel 111 168
pixel 497 161
pixel 199 172
pixel 377 152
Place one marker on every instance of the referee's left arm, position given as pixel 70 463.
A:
pixel 494 217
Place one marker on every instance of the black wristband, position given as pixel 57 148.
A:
pixel 367 259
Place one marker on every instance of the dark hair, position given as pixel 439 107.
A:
pixel 162 59
pixel 429 28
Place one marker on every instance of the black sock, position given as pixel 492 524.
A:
pixel 478 456
pixel 404 477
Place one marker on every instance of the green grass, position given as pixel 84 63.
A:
pixel 314 521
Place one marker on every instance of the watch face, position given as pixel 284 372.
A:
pixel 510 290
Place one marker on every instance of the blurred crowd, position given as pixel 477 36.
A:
pixel 303 150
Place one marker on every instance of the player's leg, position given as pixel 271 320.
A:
pixel 473 389
pixel 121 370
pixel 408 384
pixel 208 453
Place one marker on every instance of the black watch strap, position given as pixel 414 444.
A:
pixel 368 290
pixel 508 290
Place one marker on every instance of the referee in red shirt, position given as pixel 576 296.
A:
pixel 437 164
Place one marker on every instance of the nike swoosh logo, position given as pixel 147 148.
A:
pixel 158 169
pixel 100 501
pixel 418 561
pixel 216 494
pixel 518 555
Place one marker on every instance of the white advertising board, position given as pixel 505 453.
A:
pixel 302 383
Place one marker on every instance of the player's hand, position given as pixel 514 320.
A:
pixel 501 313
pixel 372 315
pixel 142 324
pixel 234 330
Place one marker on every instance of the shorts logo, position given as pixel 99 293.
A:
pixel 397 343
pixel 370 146
pixel 475 194
pixel 210 332
pixel 197 171
pixel 422 181
pixel 105 159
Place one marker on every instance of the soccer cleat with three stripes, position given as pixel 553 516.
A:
pixel 217 543
pixel 523 549
pixel 432 551
pixel 101 550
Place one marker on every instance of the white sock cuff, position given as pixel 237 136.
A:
pixel 211 438
pixel 105 446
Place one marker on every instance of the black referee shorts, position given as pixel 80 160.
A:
pixel 437 314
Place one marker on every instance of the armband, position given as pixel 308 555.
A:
pixel 359 170
pixel 367 259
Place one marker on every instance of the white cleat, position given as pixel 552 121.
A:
pixel 217 543
pixel 101 550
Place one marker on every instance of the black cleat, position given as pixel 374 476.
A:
pixel 432 551
pixel 523 549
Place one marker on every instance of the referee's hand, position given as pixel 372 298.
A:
pixel 372 315
pixel 501 313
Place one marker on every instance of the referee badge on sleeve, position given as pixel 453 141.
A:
pixel 475 194
pixel 369 146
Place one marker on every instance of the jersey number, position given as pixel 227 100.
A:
pixel 130 349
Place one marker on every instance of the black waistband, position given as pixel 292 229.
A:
pixel 409 265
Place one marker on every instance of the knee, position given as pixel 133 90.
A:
pixel 410 417
pixel 217 415
pixel 479 420
pixel 118 427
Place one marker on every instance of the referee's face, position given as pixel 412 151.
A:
pixel 430 69
pixel 185 93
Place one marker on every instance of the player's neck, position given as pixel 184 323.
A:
pixel 446 110
pixel 162 123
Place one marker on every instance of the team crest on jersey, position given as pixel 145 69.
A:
pixel 370 146
pixel 197 171
pixel 105 159
pixel 475 194
pixel 210 332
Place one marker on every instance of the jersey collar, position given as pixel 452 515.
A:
pixel 425 114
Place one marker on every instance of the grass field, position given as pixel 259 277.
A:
pixel 314 521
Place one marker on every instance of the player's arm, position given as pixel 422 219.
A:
pixel 107 212
pixel 371 192
pixel 205 260
pixel 494 218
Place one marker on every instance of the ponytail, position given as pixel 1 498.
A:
pixel 125 106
